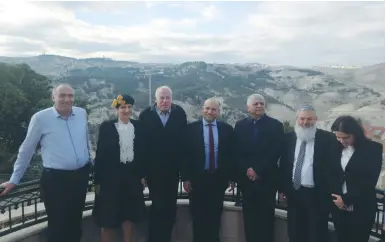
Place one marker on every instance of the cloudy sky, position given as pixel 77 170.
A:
pixel 292 33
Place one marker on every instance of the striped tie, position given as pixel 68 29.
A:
pixel 297 180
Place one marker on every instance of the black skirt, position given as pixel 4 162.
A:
pixel 120 199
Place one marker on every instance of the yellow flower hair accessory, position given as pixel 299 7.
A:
pixel 115 103
pixel 122 100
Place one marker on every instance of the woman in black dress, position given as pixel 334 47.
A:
pixel 119 178
pixel 357 167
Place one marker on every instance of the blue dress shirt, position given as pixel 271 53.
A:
pixel 163 116
pixel 64 143
pixel 206 142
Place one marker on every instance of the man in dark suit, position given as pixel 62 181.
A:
pixel 163 125
pixel 207 174
pixel 304 169
pixel 257 141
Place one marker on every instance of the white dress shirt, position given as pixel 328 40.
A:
pixel 126 140
pixel 346 156
pixel 307 174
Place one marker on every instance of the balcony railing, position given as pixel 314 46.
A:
pixel 23 207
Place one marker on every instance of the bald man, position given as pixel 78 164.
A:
pixel 164 126
pixel 257 144
pixel 62 133
pixel 208 172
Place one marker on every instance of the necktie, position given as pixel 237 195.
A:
pixel 297 180
pixel 211 149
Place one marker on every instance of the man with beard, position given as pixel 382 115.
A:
pixel 163 125
pixel 257 141
pixel 304 167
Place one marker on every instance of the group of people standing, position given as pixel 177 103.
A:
pixel 317 172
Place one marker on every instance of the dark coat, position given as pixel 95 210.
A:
pixel 262 155
pixel 164 146
pixel 196 151
pixel 361 174
pixel 107 157
pixel 322 162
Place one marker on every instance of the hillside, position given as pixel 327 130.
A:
pixel 332 91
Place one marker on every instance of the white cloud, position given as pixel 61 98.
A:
pixel 296 33
pixel 210 12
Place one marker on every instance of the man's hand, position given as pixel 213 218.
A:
pixel 231 186
pixel 338 201
pixel 251 174
pixel 187 186
pixel 143 182
pixel 7 188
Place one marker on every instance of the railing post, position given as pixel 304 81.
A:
pixel 238 196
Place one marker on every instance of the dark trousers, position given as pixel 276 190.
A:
pixel 206 202
pixel 259 213
pixel 163 191
pixel 353 226
pixel 307 216
pixel 64 195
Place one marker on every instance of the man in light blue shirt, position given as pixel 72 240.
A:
pixel 62 134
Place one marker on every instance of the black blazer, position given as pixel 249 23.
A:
pixel 196 151
pixel 323 143
pixel 165 145
pixel 361 174
pixel 264 155
pixel 107 157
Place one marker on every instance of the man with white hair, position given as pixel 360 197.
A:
pixel 62 133
pixel 163 125
pixel 304 183
pixel 257 142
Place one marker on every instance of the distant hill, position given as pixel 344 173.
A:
pixel 332 91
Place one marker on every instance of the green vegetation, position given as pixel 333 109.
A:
pixel 23 92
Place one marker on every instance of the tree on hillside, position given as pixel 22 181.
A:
pixel 23 92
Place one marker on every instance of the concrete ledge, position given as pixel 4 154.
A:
pixel 232 227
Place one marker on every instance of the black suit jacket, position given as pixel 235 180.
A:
pixel 196 151
pixel 322 163
pixel 107 157
pixel 262 156
pixel 165 146
pixel 361 174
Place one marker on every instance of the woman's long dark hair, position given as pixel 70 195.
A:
pixel 349 125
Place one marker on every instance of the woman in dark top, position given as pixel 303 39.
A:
pixel 357 166
pixel 119 179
